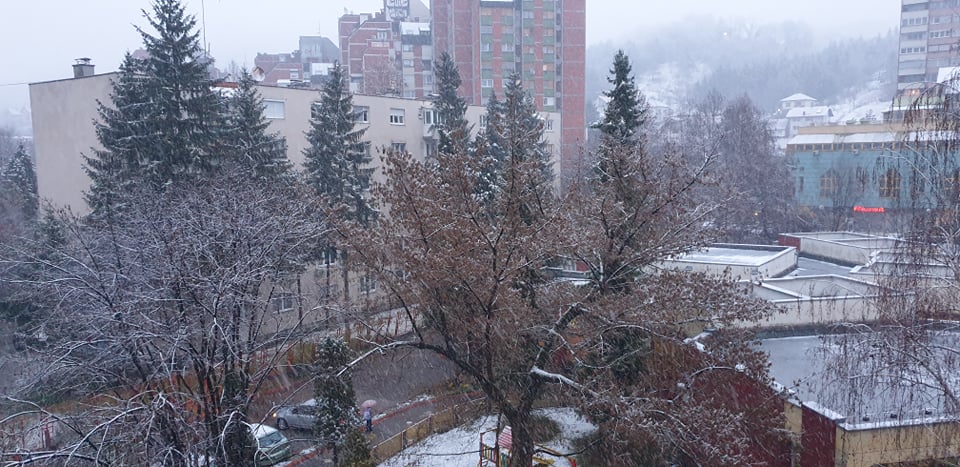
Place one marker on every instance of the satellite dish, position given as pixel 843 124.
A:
pixel 257 74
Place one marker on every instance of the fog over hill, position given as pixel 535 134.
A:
pixel 682 61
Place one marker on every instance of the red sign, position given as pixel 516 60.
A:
pixel 867 210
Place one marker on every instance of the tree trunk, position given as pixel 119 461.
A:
pixel 521 454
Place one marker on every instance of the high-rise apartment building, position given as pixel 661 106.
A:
pixel 542 41
pixel 928 40
pixel 389 52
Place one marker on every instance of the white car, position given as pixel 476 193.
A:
pixel 272 446
pixel 303 416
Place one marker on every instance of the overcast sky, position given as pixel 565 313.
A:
pixel 40 38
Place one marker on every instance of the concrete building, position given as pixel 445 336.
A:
pixel 847 248
pixel 817 301
pixel 63 112
pixel 873 170
pixel 844 423
pixel 740 262
pixel 927 41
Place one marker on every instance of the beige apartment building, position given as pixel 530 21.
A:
pixel 64 112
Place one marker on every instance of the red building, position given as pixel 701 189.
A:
pixel 389 52
pixel 544 41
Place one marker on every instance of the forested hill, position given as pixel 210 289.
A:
pixel 767 62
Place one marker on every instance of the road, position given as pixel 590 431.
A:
pixel 395 380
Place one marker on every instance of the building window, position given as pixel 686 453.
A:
pixel 368 284
pixel 408 47
pixel 486 47
pixel 274 109
pixel 506 47
pixel 363 114
pixel 382 35
pixel 486 83
pixel 429 117
pixel 829 185
pixel 284 302
pixel 549 101
pixel 890 184
pixel 397 116
pixel 398 147
pixel 548 123
pixel 483 121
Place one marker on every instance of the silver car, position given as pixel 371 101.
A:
pixel 303 416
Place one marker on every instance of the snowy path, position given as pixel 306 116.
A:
pixel 459 447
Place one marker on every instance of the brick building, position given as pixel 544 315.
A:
pixel 544 41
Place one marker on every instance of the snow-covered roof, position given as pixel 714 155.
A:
pixel 948 73
pixel 815 111
pixel 407 28
pixel 798 97
pixel 802 360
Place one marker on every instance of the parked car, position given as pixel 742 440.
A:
pixel 303 416
pixel 272 446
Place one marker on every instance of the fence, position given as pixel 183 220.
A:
pixel 436 423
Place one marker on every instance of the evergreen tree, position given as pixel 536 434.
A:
pixel 337 158
pixel 452 127
pixel 164 120
pixel 21 181
pixel 122 131
pixel 626 110
pixel 333 390
pixel 522 132
pixel 625 115
pixel 184 110
pixel 490 148
pixel 356 452
pixel 247 137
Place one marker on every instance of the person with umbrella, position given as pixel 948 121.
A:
pixel 367 414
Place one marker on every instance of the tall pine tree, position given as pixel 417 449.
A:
pixel 452 127
pixel 626 110
pixel 20 184
pixel 164 121
pixel 624 117
pixel 185 109
pixel 333 392
pixel 336 161
pixel 123 132
pixel 247 141
pixel 523 132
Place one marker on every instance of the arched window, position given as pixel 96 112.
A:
pixel 890 184
pixel 829 184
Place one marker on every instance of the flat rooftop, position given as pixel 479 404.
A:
pixel 810 287
pixel 907 394
pixel 734 255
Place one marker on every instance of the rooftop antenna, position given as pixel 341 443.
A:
pixel 203 26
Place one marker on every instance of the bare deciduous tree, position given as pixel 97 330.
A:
pixel 466 269
pixel 161 321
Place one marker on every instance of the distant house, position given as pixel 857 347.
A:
pixel 799 117
pixel 795 101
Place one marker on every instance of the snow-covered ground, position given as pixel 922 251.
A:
pixel 459 446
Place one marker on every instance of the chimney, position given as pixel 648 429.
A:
pixel 82 68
